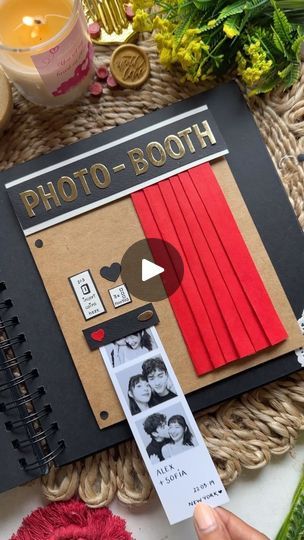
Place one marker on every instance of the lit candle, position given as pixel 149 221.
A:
pixel 45 49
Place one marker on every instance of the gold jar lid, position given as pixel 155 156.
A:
pixel 6 101
pixel 130 66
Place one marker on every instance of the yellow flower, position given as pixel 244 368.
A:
pixel 205 47
pixel 165 57
pixel 241 61
pixel 212 23
pixel 164 40
pixel 189 55
pixel 166 47
pixel 254 66
pixel 163 25
pixel 190 33
pixel 230 31
pixel 142 21
pixel 142 4
pixel 187 51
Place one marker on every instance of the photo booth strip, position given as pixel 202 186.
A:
pixel 235 315
pixel 180 466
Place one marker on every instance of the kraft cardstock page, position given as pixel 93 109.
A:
pixel 89 249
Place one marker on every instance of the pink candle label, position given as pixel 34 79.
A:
pixel 68 63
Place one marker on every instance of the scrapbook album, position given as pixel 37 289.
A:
pixel 170 236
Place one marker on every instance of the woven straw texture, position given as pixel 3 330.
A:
pixel 244 432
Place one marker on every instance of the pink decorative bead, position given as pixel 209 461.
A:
pixel 96 89
pixel 129 12
pixel 102 72
pixel 94 30
pixel 111 82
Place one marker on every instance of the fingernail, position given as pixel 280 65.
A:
pixel 205 518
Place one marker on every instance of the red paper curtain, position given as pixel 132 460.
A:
pixel 222 307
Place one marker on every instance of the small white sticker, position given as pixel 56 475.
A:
pixel 87 295
pixel 120 295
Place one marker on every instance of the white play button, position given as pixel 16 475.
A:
pixel 138 269
pixel 150 270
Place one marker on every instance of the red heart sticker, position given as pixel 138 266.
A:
pixel 98 335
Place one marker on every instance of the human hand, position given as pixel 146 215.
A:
pixel 170 386
pixel 219 524
pixel 154 458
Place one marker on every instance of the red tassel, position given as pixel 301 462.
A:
pixel 72 520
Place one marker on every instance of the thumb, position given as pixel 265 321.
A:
pixel 208 524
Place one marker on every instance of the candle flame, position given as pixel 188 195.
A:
pixel 28 21
pixel 33 21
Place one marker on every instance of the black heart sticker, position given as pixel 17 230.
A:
pixel 220 490
pixel 111 273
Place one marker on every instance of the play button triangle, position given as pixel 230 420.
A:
pixel 149 270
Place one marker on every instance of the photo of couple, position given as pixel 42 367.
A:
pixel 130 347
pixel 169 436
pixel 146 384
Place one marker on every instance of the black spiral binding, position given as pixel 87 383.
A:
pixel 16 360
pixel 26 402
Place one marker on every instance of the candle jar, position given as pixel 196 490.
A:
pixel 45 49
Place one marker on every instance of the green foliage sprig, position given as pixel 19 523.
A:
pixel 259 39
pixel 293 526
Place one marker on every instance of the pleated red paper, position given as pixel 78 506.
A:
pixel 222 306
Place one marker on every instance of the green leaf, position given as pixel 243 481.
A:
pixel 268 83
pixel 290 74
pixel 256 4
pixel 277 24
pixel 228 11
pixel 182 27
pixel 204 4
pixel 234 22
pixel 295 528
pixel 297 46
pixel 279 43
pixel 287 530
pixel 266 39
pixel 281 25
pixel 232 9
pixel 266 86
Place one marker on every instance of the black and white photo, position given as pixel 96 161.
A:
pixel 130 347
pixel 146 384
pixel 156 373
pixel 166 433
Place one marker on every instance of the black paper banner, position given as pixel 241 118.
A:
pixel 119 327
pixel 114 166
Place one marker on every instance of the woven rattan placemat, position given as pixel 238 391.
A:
pixel 244 432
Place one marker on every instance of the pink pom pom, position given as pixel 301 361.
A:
pixel 72 520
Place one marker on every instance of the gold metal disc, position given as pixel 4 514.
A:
pixel 130 66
